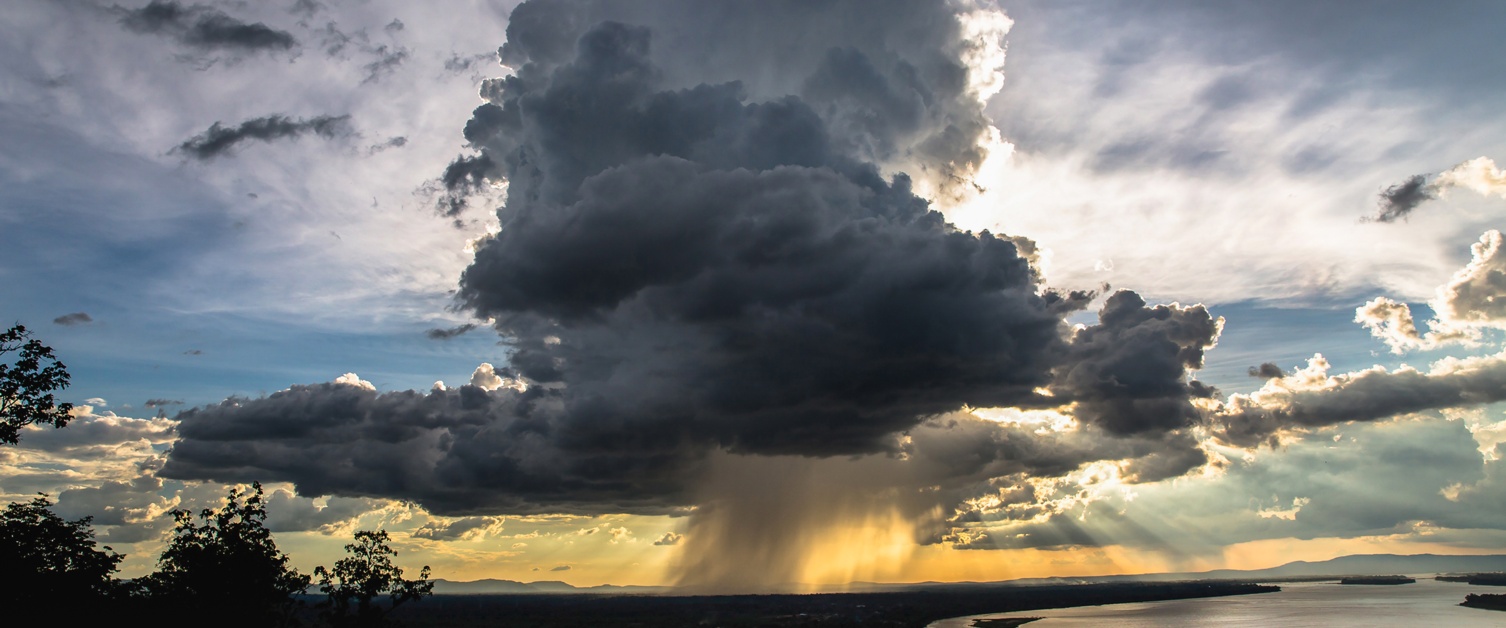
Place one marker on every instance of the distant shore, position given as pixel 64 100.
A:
pixel 1003 622
pixel 1378 580
pixel 908 609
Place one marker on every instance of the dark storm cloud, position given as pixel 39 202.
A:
pixel 448 333
pixel 458 452
pixel 885 77
pixel 687 269
pixel 76 318
pixel 219 140
pixel 1398 201
pixel 1267 370
pixel 205 28
pixel 1128 372
pixel 463 177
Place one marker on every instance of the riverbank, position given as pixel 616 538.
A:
pixel 914 608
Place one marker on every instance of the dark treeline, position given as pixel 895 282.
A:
pixel 1494 579
pixel 220 567
pixel 1485 600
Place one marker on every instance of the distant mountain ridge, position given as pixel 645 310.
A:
pixel 1370 565
pixel 1355 565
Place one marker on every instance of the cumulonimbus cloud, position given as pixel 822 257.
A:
pixel 693 266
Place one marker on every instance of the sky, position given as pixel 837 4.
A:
pixel 749 295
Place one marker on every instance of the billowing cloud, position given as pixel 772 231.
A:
pixel 90 434
pixel 1310 397
pixel 1479 175
pixel 218 140
pixel 287 512
pixel 1474 299
pixel 693 269
pixel 204 28
pixel 669 538
pixel 76 318
pixel 1476 295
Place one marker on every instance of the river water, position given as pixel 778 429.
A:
pixel 1427 602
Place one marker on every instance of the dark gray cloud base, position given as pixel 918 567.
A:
pixel 1398 201
pixel 76 318
pixel 204 28
pixel 218 140
pixel 1366 396
pixel 690 266
pixel 446 333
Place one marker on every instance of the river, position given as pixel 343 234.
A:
pixel 1427 602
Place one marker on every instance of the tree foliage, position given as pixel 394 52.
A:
pixel 357 580
pixel 46 560
pixel 227 564
pixel 26 386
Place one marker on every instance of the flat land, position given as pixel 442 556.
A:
pixel 907 609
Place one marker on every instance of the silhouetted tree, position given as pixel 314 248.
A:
pixel 26 386
pixel 227 566
pixel 357 580
pixel 47 562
